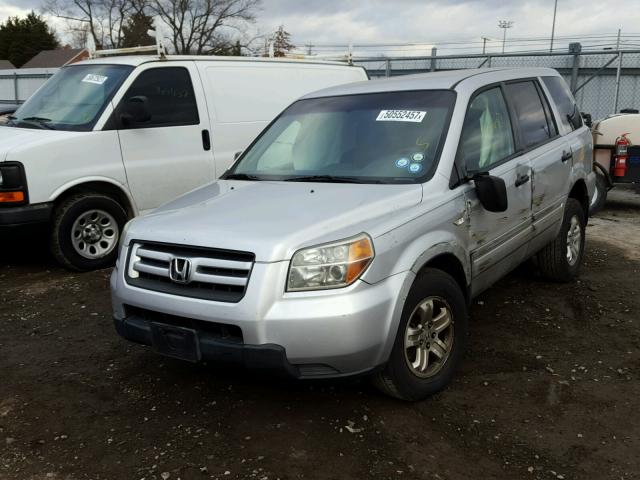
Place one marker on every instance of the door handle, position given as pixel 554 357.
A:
pixel 522 179
pixel 206 140
pixel 566 156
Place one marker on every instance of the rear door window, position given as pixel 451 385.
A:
pixel 562 97
pixel 530 113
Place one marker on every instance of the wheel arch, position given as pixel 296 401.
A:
pixel 580 193
pixel 449 258
pixel 100 185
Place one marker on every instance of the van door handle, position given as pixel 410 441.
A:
pixel 206 140
pixel 522 179
pixel 566 156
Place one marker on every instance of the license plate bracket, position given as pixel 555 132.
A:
pixel 175 342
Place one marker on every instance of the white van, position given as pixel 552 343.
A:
pixel 107 139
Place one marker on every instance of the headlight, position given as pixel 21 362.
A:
pixel 333 265
pixel 12 183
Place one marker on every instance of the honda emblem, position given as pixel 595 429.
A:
pixel 180 270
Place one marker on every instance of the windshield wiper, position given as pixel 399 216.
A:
pixel 41 121
pixel 240 176
pixel 329 179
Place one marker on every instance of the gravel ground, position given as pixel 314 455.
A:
pixel 548 389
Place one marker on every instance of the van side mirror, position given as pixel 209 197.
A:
pixel 135 110
pixel 492 192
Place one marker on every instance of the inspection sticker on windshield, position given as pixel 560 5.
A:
pixel 401 116
pixel 93 78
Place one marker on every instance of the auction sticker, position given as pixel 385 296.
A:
pixel 93 78
pixel 415 168
pixel 402 162
pixel 401 116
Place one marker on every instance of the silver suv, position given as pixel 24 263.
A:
pixel 350 237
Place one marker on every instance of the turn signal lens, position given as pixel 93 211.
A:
pixel 11 197
pixel 332 265
pixel 360 255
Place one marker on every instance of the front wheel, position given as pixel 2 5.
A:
pixel 86 230
pixel 430 340
pixel 561 259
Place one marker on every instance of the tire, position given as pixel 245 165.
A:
pixel 560 261
pixel 399 379
pixel 602 188
pixel 86 231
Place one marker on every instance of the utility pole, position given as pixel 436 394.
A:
pixel 309 49
pixel 484 44
pixel 618 41
pixel 553 26
pixel 504 24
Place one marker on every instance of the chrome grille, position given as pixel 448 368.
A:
pixel 213 274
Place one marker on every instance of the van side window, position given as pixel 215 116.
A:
pixel 569 114
pixel 487 135
pixel 530 114
pixel 171 98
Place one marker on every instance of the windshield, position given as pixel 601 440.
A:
pixel 390 137
pixel 72 99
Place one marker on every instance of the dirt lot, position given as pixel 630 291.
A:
pixel 549 389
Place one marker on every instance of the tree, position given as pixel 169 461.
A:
pixel 203 26
pixel 134 32
pixel 22 38
pixel 103 20
pixel 281 41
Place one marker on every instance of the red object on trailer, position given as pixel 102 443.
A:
pixel 621 158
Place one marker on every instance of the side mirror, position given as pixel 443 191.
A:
pixel 492 192
pixel 135 110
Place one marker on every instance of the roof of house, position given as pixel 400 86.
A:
pixel 6 64
pixel 54 58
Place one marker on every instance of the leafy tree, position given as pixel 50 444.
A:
pixel 23 38
pixel 281 42
pixel 134 31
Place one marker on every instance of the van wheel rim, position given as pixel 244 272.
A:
pixel 574 240
pixel 428 338
pixel 94 234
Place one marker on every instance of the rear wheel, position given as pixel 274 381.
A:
pixel 430 339
pixel 86 230
pixel 561 259
pixel 602 188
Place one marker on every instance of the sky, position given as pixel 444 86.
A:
pixel 425 22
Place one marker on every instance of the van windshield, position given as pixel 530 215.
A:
pixel 72 99
pixel 392 137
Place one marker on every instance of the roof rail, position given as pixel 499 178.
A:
pixel 158 49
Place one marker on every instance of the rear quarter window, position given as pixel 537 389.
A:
pixel 566 105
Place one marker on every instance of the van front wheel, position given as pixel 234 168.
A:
pixel 430 339
pixel 86 230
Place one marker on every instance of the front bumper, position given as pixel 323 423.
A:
pixel 329 333
pixel 36 214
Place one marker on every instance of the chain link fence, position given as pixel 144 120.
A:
pixel 603 82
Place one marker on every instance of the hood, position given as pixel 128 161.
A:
pixel 273 219
pixel 12 137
